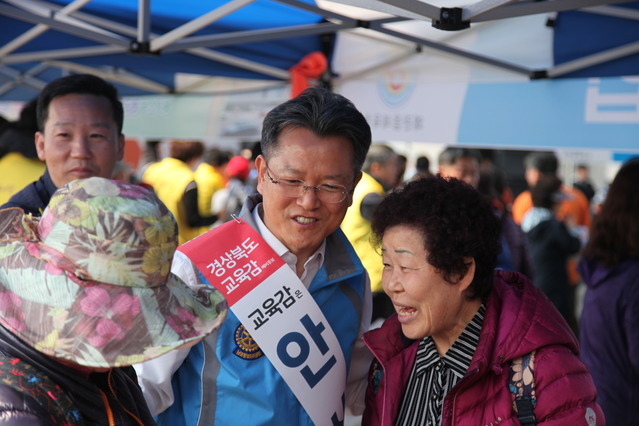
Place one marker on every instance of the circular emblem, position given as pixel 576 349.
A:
pixel 396 87
pixel 246 348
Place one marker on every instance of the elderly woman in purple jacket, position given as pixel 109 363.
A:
pixel 609 329
pixel 466 341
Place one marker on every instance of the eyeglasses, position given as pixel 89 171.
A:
pixel 295 188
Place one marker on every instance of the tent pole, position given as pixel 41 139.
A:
pixel 129 80
pixel 196 24
pixel 74 52
pixel 239 62
pixel 144 22
pixel 597 58
pixel 458 52
pixel 39 28
pixel 23 77
pixel 78 29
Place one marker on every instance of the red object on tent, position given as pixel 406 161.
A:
pixel 312 66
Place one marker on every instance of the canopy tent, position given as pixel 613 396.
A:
pixel 141 47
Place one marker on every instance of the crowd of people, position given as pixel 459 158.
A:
pixel 303 280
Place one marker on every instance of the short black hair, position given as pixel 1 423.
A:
pixel 422 163
pixel 455 222
pixel 547 192
pixel 186 150
pixel 544 162
pixel 378 153
pixel 324 113
pixel 83 84
pixel 450 155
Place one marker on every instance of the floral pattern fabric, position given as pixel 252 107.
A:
pixel 522 379
pixel 89 281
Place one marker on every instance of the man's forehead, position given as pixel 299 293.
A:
pixel 65 123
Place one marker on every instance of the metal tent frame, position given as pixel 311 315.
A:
pixel 20 66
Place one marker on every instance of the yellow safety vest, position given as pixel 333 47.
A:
pixel 17 171
pixel 358 230
pixel 169 179
pixel 209 181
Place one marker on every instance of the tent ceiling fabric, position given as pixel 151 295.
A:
pixel 142 46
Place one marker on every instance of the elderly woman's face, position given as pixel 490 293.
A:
pixel 426 304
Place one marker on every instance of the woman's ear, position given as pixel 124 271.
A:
pixel 465 281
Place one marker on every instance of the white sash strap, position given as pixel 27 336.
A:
pixel 279 313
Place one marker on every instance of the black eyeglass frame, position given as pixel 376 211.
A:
pixel 318 189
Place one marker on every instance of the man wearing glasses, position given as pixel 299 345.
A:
pixel 313 149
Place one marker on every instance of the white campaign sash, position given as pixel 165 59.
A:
pixel 279 313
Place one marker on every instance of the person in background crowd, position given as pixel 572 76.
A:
pixel 515 253
pixel 313 148
pixel 598 200
pixel 380 174
pixel 422 168
pixel 489 163
pixel 583 182
pixel 401 158
pixel 251 182
pixel 19 163
pixel 551 245
pixel 467 340
pixel 228 201
pixel 464 164
pixel 80 122
pixel 460 163
pixel 209 179
pixel 173 181
pixel 540 164
pixel 85 292
pixel 4 123
pixel 123 171
pixel 574 209
pixel 609 327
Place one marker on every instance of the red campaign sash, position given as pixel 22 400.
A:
pixel 279 313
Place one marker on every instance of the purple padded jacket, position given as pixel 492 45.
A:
pixel 609 336
pixel 519 319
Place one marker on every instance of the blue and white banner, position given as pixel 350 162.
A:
pixel 595 113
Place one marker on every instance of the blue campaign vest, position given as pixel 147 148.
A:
pixel 226 378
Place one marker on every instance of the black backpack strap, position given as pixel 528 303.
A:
pixel 522 387
pixel 26 379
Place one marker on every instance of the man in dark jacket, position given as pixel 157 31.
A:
pixel 80 135
pixel 551 243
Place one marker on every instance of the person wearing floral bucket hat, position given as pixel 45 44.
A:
pixel 85 292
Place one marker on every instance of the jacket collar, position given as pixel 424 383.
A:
pixel 518 320
pixel 340 261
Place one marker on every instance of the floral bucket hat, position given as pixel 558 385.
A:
pixel 90 282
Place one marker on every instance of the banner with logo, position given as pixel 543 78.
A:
pixel 279 314
pixel 595 113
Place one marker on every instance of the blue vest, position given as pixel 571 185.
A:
pixel 226 380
